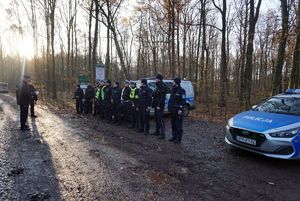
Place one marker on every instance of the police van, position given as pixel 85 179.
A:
pixel 271 128
pixel 3 87
pixel 185 84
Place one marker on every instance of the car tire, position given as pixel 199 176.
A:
pixel 186 110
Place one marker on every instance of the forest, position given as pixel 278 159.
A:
pixel 236 52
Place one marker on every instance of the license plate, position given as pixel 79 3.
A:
pixel 246 140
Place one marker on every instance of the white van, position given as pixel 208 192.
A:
pixel 185 84
pixel 3 87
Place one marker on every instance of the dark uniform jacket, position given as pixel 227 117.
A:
pixel 126 94
pixel 32 93
pixel 79 93
pixel 116 95
pixel 89 93
pixel 107 91
pixel 159 95
pixel 23 94
pixel 145 97
pixel 177 99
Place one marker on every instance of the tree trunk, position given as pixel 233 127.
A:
pixel 277 82
pixel 295 74
pixel 248 68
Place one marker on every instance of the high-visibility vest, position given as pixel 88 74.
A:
pixel 98 94
pixel 102 93
pixel 133 94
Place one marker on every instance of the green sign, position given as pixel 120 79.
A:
pixel 83 79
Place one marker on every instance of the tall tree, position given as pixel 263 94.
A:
pixel 223 66
pixel 253 16
pixel 295 74
pixel 277 81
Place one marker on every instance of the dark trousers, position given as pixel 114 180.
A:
pixel 32 108
pixel 101 110
pixel 116 111
pixel 96 108
pixel 144 118
pixel 134 117
pixel 88 106
pixel 23 115
pixel 108 111
pixel 177 130
pixel 79 105
pixel 126 109
pixel 159 121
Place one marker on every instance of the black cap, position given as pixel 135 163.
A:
pixel 144 81
pixel 159 77
pixel 132 83
pixel 126 82
pixel 108 81
pixel 177 80
pixel 117 83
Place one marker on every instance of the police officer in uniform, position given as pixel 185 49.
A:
pixel 144 103
pixel 134 111
pixel 175 106
pixel 107 101
pixel 101 99
pixel 89 98
pixel 158 103
pixel 97 99
pixel 34 98
pixel 23 100
pixel 79 96
pixel 116 102
pixel 125 101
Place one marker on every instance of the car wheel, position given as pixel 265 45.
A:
pixel 186 110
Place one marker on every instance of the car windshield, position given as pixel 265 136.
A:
pixel 281 105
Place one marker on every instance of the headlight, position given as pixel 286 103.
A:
pixel 286 133
pixel 230 122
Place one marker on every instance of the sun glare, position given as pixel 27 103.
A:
pixel 25 49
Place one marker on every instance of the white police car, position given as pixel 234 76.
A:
pixel 271 128
pixel 185 84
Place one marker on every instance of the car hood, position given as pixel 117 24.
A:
pixel 263 121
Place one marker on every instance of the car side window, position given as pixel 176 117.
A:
pixel 169 87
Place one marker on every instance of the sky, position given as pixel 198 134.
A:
pixel 12 42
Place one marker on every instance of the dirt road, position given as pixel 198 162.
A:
pixel 71 157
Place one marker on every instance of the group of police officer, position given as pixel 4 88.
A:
pixel 132 105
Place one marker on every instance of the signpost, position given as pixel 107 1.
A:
pixel 100 72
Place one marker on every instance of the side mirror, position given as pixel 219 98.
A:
pixel 254 106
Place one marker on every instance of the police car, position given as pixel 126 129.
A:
pixel 185 84
pixel 271 128
pixel 3 87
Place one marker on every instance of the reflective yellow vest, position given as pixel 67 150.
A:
pixel 133 94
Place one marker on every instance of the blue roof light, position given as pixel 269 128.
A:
pixel 292 91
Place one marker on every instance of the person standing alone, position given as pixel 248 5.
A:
pixel 23 100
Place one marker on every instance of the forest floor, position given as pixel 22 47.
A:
pixel 67 156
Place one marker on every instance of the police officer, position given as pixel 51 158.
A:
pixel 158 103
pixel 34 98
pixel 79 96
pixel 134 111
pixel 116 102
pixel 97 99
pixel 101 100
pixel 23 100
pixel 89 98
pixel 144 103
pixel 175 106
pixel 107 101
pixel 125 101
